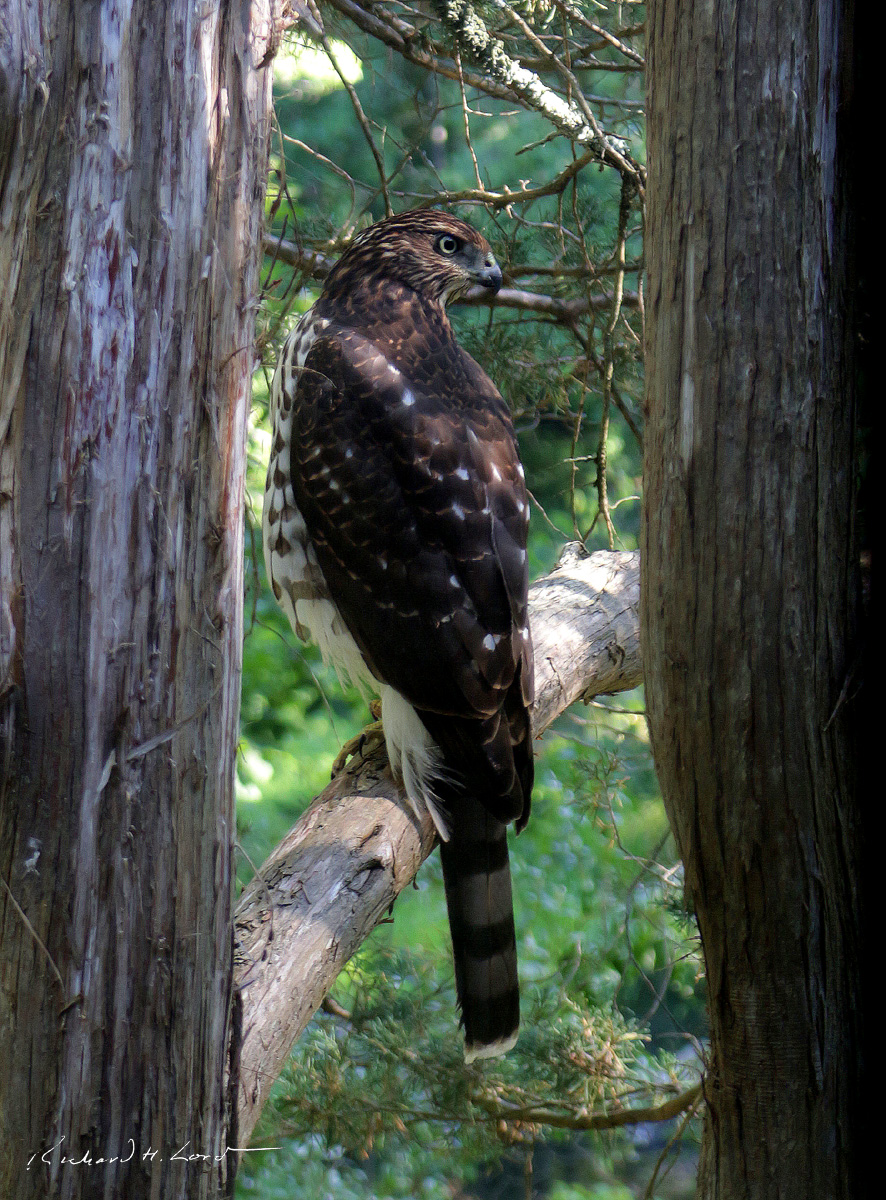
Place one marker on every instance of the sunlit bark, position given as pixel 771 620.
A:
pixel 133 154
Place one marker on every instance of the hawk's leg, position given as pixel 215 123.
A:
pixel 367 740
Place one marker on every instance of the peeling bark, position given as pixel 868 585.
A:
pixel 133 155
pixel 324 888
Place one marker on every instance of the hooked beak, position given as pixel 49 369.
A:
pixel 489 276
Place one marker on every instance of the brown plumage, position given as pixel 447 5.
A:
pixel 395 533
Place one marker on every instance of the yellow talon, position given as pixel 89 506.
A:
pixel 367 740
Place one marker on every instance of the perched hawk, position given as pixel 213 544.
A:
pixel 395 522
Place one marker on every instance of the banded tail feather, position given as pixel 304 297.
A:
pixel 477 878
pixel 428 754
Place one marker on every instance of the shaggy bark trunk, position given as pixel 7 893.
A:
pixel 324 888
pixel 133 154
pixel 750 570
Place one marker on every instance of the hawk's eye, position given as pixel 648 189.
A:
pixel 447 244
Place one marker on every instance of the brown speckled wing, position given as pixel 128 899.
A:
pixel 407 495
pixel 406 472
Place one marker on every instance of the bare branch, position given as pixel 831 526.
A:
pixel 572 118
pixel 399 35
pixel 619 44
pixel 318 265
pixel 561 1119
pixel 609 360
pixel 362 119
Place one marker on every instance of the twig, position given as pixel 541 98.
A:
pixel 574 120
pixel 34 934
pixel 399 35
pixel 358 111
pixel 583 1120
pixel 649 1191
pixel 609 358
pixel 464 109
pixel 577 15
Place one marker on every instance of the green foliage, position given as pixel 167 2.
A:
pixel 378 1103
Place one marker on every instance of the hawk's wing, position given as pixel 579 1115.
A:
pixel 406 473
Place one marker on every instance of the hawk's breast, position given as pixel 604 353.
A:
pixel 290 560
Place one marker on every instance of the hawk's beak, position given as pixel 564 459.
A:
pixel 489 276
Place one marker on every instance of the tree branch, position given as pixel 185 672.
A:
pixel 572 117
pixel 326 886
pixel 583 1119
pixel 408 40
pixel 500 75
pixel 318 265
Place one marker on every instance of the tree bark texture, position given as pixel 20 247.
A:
pixel 133 156
pixel 325 887
pixel 749 576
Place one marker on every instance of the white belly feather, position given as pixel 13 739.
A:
pixel 290 561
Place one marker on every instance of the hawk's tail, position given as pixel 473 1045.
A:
pixel 481 920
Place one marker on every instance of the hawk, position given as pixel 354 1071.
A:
pixel 395 522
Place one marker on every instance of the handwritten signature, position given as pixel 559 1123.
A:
pixel 183 1154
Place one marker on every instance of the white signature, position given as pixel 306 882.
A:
pixel 183 1154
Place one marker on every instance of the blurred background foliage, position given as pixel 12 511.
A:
pixel 383 107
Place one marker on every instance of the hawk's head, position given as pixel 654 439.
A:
pixel 431 252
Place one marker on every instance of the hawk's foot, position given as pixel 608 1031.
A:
pixel 367 740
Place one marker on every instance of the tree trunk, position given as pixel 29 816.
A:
pixel 133 154
pixel 750 569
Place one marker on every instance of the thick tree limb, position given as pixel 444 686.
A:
pixel 325 887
